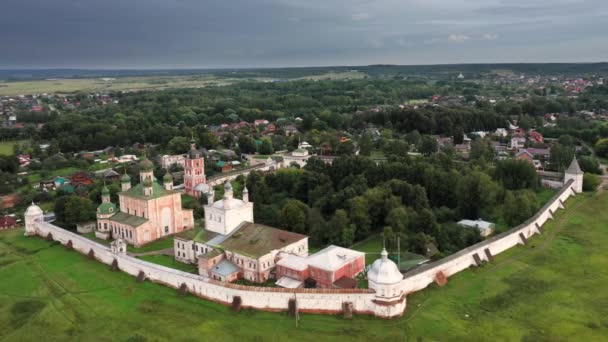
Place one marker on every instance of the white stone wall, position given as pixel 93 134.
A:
pixel 421 277
pixel 310 300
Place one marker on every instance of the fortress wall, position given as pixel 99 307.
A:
pixel 312 300
pixel 423 276
pixel 271 299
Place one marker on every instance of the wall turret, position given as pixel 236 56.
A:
pixel 574 173
pixel 385 278
pixel 32 215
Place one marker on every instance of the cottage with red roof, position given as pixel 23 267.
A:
pixel 7 222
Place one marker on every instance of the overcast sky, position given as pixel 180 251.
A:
pixel 273 33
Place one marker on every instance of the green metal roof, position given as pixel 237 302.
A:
pixel 105 190
pixel 157 191
pixel 128 219
pixel 125 178
pixel 106 208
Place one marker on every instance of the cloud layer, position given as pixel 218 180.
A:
pixel 267 33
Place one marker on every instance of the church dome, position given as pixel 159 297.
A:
pixel 125 178
pixel 167 178
pixel 146 165
pixel 202 188
pixel 105 190
pixel 33 210
pixel 384 271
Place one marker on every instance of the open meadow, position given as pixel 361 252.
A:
pixel 551 289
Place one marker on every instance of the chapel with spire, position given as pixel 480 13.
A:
pixel 145 212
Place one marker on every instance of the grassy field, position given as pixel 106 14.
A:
pixel 97 84
pixel 6 147
pixel 169 261
pixel 144 83
pixel 553 289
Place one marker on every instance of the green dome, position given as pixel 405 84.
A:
pixel 125 178
pixel 146 165
pixel 147 182
pixel 167 177
pixel 105 190
pixel 106 208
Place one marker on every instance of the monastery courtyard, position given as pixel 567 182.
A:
pixel 551 289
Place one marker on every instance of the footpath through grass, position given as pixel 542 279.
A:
pixel 552 289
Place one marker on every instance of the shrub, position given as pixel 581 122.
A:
pixel 590 182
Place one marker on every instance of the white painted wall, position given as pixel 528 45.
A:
pixel 313 300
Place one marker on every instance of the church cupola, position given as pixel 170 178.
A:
pixel 146 176
pixel 125 182
pixel 228 195
pixel 245 193
pixel 105 194
pixel 210 197
pixel 168 181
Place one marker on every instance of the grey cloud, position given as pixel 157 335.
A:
pixel 250 33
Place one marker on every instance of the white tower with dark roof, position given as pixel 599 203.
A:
pixel 575 173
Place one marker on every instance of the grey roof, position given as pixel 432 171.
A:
pixel 225 268
pixel 574 168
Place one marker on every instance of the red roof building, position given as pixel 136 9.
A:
pixel 7 222
pixel 536 136
pixel 329 268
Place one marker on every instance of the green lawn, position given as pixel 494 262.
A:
pixel 169 261
pixel 553 289
pixel 6 148
pixel 373 246
pixel 166 242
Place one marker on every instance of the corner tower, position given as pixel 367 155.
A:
pixel 574 173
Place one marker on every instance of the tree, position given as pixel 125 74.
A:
pixel 591 182
pixel 561 156
pixel 519 206
pixel 365 145
pixel 428 145
pixel 359 216
pixel 476 194
pixel 247 144
pixel 337 224
pixel 293 216
pixel 265 147
pixel 78 209
pixel 178 145
pixel 458 135
pixel 316 226
pixel 481 149
pixel 516 174
pixel 601 147
pixel 398 219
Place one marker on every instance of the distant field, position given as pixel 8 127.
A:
pixel 352 75
pixel 97 84
pixel 550 290
pixel 144 83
